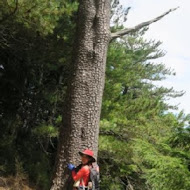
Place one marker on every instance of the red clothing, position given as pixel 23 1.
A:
pixel 83 175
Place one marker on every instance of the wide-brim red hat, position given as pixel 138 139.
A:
pixel 88 152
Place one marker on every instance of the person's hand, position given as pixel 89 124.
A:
pixel 71 167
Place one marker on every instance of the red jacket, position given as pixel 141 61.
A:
pixel 83 175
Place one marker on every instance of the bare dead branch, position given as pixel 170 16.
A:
pixel 139 26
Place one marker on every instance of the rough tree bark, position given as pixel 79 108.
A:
pixel 81 117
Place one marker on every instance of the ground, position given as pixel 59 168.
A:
pixel 15 183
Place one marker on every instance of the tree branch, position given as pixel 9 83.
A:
pixel 139 26
pixel 114 134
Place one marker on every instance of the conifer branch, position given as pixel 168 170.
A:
pixel 114 134
pixel 139 26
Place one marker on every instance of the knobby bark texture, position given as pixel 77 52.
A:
pixel 80 127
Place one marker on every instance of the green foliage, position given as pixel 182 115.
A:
pixel 160 169
pixel 45 130
pixel 39 15
pixel 36 39
pixel 40 170
pixel 137 131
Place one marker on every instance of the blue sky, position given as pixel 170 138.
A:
pixel 174 31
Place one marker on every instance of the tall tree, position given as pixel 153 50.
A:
pixel 133 109
pixel 80 128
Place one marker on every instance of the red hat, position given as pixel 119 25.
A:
pixel 88 152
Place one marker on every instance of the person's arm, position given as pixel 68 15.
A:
pixel 78 168
pixel 83 171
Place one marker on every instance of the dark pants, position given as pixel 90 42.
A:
pixel 80 188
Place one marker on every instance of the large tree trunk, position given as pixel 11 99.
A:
pixel 81 118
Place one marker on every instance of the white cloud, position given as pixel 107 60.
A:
pixel 173 30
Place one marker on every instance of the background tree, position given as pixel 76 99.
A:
pixel 35 49
pixel 136 126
